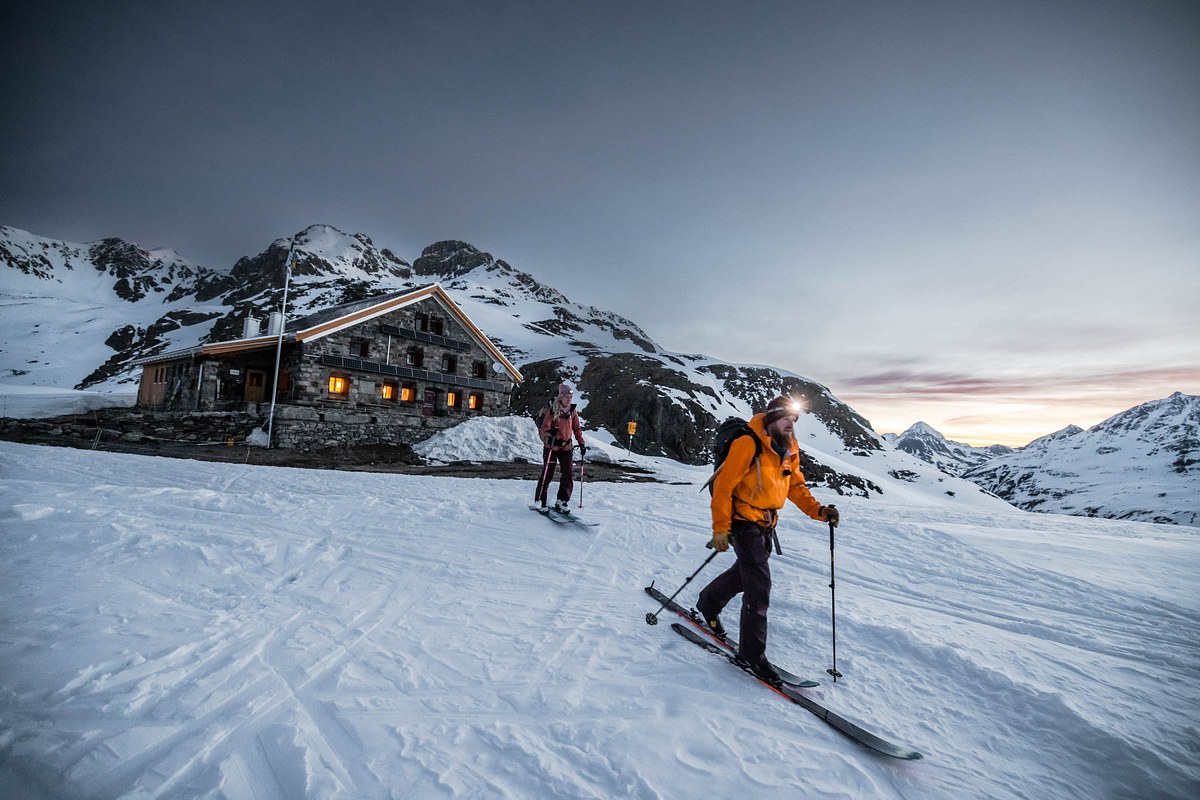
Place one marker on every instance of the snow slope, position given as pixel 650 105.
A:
pixel 177 629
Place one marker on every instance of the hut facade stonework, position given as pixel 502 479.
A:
pixel 389 370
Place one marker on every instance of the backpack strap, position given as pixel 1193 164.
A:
pixel 757 442
pixel 747 431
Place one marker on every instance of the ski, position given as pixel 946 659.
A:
pixel 843 725
pixel 569 516
pixel 563 517
pixel 690 616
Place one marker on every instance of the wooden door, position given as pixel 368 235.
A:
pixel 256 389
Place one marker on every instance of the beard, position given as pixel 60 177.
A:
pixel 781 442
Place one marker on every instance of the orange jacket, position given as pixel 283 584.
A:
pixel 755 490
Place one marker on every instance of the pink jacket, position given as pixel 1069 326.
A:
pixel 561 424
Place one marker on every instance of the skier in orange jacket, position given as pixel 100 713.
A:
pixel 748 491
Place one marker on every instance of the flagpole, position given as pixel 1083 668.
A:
pixel 287 280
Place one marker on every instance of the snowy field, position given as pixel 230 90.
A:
pixel 40 402
pixel 179 629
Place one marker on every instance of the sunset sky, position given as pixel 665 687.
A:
pixel 985 216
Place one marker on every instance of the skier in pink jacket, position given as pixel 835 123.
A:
pixel 559 425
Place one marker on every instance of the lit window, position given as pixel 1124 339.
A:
pixel 475 401
pixel 452 399
pixel 408 393
pixel 389 391
pixel 338 384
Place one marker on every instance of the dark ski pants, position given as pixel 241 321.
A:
pixel 750 575
pixel 566 484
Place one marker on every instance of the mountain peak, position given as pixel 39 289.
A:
pixel 1176 417
pixel 922 429
pixel 323 250
pixel 1064 433
pixel 954 458
pixel 452 259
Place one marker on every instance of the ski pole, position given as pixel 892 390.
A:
pixel 652 619
pixel 833 606
pixel 582 461
pixel 538 491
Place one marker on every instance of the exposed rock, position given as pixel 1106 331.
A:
pixel 623 388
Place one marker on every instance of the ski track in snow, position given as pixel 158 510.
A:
pixel 177 629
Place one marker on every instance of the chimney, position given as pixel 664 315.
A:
pixel 275 323
pixel 249 327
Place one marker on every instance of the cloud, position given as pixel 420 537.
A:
pixel 945 384
pixel 986 409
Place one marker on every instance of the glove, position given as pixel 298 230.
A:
pixel 830 514
pixel 582 449
pixel 720 542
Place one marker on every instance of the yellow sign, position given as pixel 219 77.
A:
pixel 632 428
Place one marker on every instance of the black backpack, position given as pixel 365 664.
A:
pixel 729 430
pixel 539 416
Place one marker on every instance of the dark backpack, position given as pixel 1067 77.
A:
pixel 539 416
pixel 729 430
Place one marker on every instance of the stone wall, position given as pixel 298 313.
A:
pixel 133 427
pixel 295 427
pixel 311 428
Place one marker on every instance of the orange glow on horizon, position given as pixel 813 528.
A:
pixel 981 422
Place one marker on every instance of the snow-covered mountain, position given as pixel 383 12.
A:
pixel 96 308
pixel 74 315
pixel 954 458
pixel 1142 464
